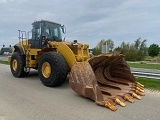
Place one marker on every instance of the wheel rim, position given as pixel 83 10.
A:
pixel 46 69
pixel 14 65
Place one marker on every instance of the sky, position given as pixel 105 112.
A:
pixel 87 21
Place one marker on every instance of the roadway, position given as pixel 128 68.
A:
pixel 27 99
pixel 3 57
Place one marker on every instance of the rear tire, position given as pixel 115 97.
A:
pixel 52 69
pixel 17 65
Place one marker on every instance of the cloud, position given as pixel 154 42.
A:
pixel 3 1
pixel 87 21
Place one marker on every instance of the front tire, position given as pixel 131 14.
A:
pixel 52 69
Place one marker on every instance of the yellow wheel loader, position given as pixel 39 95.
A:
pixel 106 78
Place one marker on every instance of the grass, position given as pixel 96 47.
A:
pixel 147 58
pixel 150 83
pixel 144 65
pixel 4 62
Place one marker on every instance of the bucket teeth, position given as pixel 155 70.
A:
pixel 140 84
pixel 128 98
pixel 140 93
pixel 110 106
pixel 139 89
pixel 136 96
pixel 118 101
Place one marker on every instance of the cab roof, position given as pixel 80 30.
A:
pixel 46 21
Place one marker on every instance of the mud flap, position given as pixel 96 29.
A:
pixel 106 79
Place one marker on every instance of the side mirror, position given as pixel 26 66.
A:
pixel 63 29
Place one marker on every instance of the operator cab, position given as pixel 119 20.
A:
pixel 44 31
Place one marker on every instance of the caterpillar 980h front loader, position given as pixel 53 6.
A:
pixel 106 78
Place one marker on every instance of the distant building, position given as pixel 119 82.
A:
pixel 90 50
pixel 105 49
pixel 6 50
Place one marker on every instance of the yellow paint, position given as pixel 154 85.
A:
pixel 128 98
pixel 110 106
pixel 46 69
pixel 33 51
pixel 14 64
pixel 136 96
pixel 24 42
pixel 9 58
pixel 118 101
pixel 72 52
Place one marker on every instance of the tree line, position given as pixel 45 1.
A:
pixel 133 51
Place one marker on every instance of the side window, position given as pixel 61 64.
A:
pixel 47 31
pixel 56 32
pixel 36 33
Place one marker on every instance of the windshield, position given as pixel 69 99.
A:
pixel 51 30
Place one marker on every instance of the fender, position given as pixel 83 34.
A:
pixel 18 48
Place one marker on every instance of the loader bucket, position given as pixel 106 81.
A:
pixel 106 79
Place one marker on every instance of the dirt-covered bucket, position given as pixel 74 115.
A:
pixel 106 79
